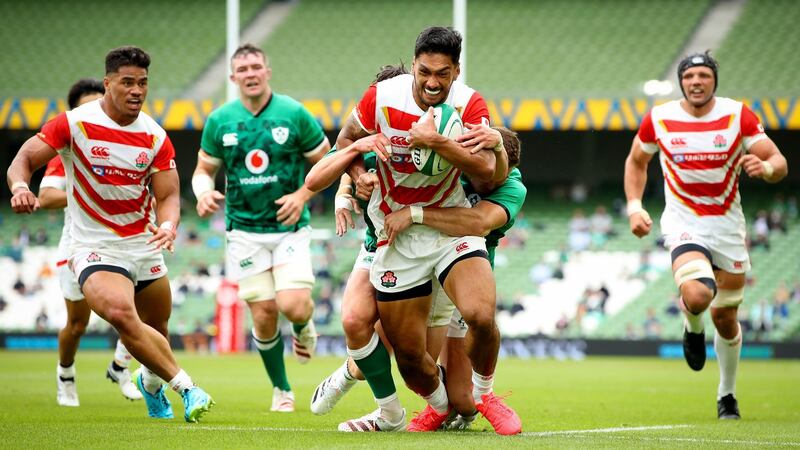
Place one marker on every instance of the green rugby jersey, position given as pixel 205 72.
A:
pixel 510 196
pixel 265 158
pixel 370 240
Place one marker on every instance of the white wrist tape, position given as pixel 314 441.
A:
pixel 768 169
pixel 635 207
pixel 342 202
pixel 499 147
pixel 167 225
pixel 202 183
pixel 416 214
pixel 19 184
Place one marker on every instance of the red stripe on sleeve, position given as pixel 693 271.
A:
pixel 647 132
pixel 750 125
pixel 165 157
pixel 366 108
pixel 55 132
pixel 476 111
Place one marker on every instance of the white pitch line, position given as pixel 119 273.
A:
pixel 540 434
pixel 564 433
pixel 709 441
pixel 606 430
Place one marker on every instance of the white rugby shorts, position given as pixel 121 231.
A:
pixel 140 261
pixel 406 268
pixel 728 251
pixel 248 254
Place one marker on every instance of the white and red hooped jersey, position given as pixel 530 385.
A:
pixel 56 178
pixel 108 169
pixel 388 107
pixel 700 159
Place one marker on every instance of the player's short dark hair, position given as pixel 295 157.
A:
pixel 247 49
pixel 444 40
pixel 512 145
pixel 126 56
pixel 390 71
pixel 83 87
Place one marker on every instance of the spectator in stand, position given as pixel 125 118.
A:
pixel 579 236
pixel 777 214
pixel 41 321
pixel 40 238
pixel 652 326
pixel 602 226
pixel 760 237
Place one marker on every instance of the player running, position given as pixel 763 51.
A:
pixel 264 140
pixel 402 273
pixel 52 195
pixel 119 163
pixel 705 142
pixel 493 212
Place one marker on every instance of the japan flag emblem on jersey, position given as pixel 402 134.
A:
pixel 256 161
pixel 280 135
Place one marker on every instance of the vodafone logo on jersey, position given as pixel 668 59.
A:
pixel 256 161
pixel 99 152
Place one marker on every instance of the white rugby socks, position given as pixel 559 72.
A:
pixel 181 382
pixel 121 355
pixel 694 322
pixel 481 385
pixel 150 381
pixel 728 351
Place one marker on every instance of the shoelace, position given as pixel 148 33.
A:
pixel 497 401
pixel 427 417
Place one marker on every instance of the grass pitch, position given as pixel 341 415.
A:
pixel 595 403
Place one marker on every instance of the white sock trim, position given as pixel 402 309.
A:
pixel 361 353
pixel 266 344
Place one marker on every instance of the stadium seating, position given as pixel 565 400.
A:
pixel 71 40
pixel 774 54
pixel 515 47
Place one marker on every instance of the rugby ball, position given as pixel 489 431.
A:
pixel 448 123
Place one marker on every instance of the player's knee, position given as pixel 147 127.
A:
pixel 357 326
pixel 122 318
pixel 698 293
pixel 479 318
pixel 75 328
pixel 697 283
pixel 265 312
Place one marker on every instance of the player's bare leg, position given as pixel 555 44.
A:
pixel 728 341
pixel 111 296
pixel 368 358
pixel 459 382
pixel 269 342
pixel 470 284
pixel 69 338
pixel 404 323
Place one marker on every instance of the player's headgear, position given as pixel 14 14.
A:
pixel 699 59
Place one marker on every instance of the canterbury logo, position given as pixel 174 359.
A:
pixel 678 142
pixel 399 141
pixel 100 152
